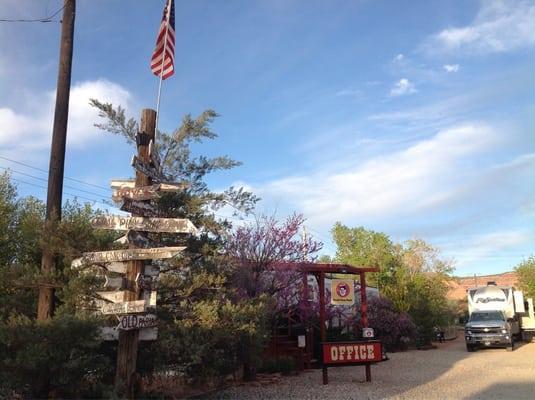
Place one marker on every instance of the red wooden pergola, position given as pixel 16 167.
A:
pixel 319 270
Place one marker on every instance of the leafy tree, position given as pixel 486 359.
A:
pixel 256 248
pixel 526 276
pixel 195 296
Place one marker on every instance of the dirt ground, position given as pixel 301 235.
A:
pixel 448 372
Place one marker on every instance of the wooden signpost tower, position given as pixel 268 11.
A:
pixel 136 296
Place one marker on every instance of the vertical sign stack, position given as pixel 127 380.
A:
pixel 136 294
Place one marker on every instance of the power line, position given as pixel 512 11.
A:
pixel 46 171
pixel 43 19
pixel 65 193
pixel 45 180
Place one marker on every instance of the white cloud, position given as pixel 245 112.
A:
pixel 397 184
pixel 451 67
pixel 400 57
pixel 33 126
pixel 499 26
pixel 403 87
pixel 349 92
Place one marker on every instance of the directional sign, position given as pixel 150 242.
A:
pixel 117 222
pixel 109 333
pixel 127 307
pixel 119 184
pixel 126 255
pixel 129 322
pixel 140 208
pixel 120 268
pixel 115 283
pixel 114 297
pixel 147 170
pixel 136 193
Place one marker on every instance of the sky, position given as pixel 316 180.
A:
pixel 412 118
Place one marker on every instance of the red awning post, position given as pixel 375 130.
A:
pixel 364 316
pixel 323 334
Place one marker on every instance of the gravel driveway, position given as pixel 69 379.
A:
pixel 449 372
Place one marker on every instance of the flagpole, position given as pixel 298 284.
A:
pixel 168 11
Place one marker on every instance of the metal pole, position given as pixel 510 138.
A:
pixel 45 305
pixel 168 13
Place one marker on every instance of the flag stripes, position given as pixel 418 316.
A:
pixel 163 56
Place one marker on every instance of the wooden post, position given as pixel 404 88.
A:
pixel 126 377
pixel 323 334
pixel 364 316
pixel 45 305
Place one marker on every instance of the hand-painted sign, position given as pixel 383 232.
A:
pixel 128 322
pixel 342 292
pixel 114 297
pixel 126 255
pixel 115 283
pixel 140 208
pixel 109 333
pixel 147 170
pixel 137 193
pixel 127 307
pixel 117 222
pixel 352 352
pixel 162 187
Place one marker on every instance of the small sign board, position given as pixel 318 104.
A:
pixel 139 208
pixel 154 156
pixel 342 292
pixel 368 333
pixel 126 255
pixel 127 307
pixel 120 223
pixel 108 333
pixel 162 187
pixel 137 193
pixel 352 353
pixel 114 297
pixel 147 170
pixel 128 322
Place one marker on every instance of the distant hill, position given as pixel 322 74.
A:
pixel 459 285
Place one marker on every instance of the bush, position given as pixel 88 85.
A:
pixel 60 357
pixel 393 328
pixel 283 364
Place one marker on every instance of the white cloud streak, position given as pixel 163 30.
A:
pixel 500 26
pixel 451 67
pixel 402 87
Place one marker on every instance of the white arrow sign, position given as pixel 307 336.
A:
pixel 162 187
pixel 114 297
pixel 127 307
pixel 108 333
pixel 117 222
pixel 126 255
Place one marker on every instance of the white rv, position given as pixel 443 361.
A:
pixel 498 316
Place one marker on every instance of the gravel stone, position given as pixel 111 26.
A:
pixel 448 372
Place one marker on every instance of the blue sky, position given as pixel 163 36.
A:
pixel 411 118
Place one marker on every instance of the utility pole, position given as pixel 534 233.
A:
pixel 45 308
pixel 125 378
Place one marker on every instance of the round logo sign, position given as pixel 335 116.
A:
pixel 342 289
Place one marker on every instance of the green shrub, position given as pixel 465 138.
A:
pixel 283 364
pixel 62 357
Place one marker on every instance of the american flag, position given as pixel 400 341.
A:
pixel 165 43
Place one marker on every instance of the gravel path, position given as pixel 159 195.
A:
pixel 449 372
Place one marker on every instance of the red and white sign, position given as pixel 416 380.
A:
pixel 342 292
pixel 352 353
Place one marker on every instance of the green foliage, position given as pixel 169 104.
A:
pixel 60 356
pixel 412 275
pixel 526 276
pixel 283 364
